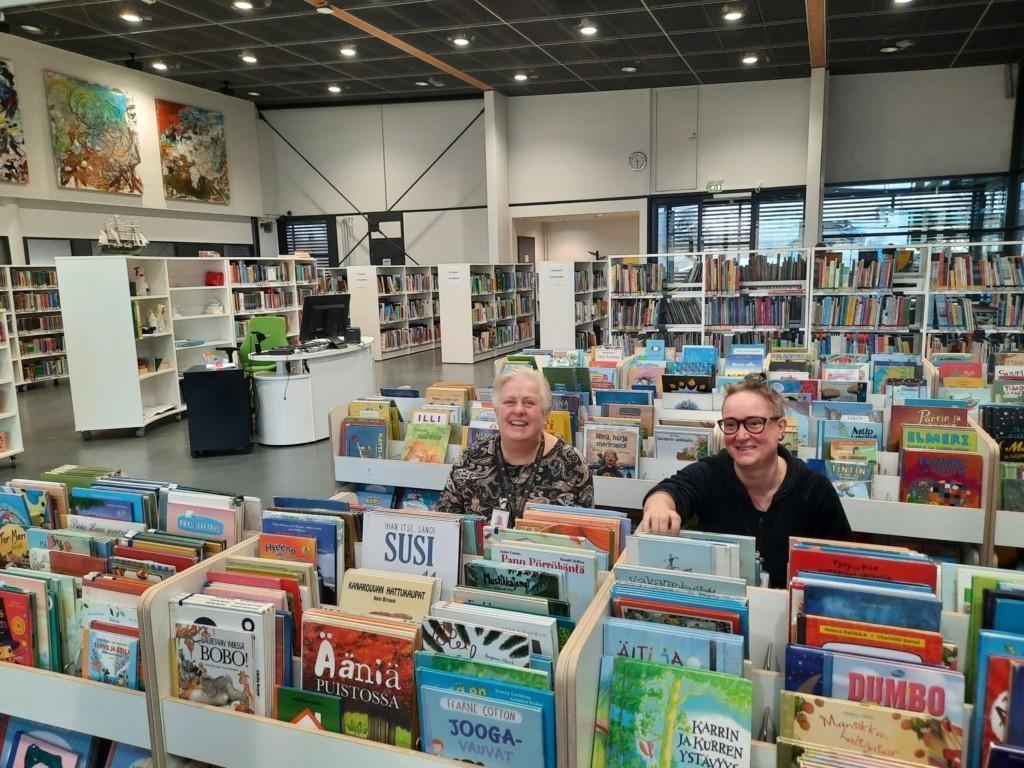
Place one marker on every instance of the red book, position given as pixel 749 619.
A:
pixel 125 586
pixel 959 369
pixel 367 662
pixel 944 478
pixel 694 616
pixel 117 629
pixel 926 415
pixel 73 564
pixel 291 586
pixel 865 566
pixel 914 645
pixel 180 562
pixel 17 627
pixel 997 704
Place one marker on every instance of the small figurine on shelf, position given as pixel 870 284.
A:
pixel 161 318
pixel 214 307
pixel 141 286
pixel 152 321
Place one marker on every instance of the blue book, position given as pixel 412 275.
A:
pixel 111 658
pixel 296 502
pixel 668 644
pixel 502 691
pixel 858 581
pixel 326 533
pixel 543 663
pixel 623 396
pixel 109 505
pixel 930 402
pixel 1005 756
pixel 127 756
pixel 697 353
pixel 894 607
pixel 678 554
pixel 654 349
pixel 651 388
pixel 373 495
pixel 364 440
pixel 480 730
pixel 420 498
pixel 835 409
pixel 830 431
pixel 399 392
pixel 1008 615
pixel 82 744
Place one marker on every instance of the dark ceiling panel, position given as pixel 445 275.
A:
pixel 685 18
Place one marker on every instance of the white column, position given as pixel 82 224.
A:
pixel 499 221
pixel 816 128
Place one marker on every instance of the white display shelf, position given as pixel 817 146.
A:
pixel 75 704
pixel 266 311
pixel 174 288
pixel 16 289
pixel 269 284
pixel 41 355
pixel 151 297
pixel 154 374
pixel 1009 528
pixel 147 336
pixel 200 317
pixel 30 334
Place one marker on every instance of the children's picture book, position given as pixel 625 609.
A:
pixel 17 627
pixel 878 605
pixel 418 543
pixel 524 580
pixel 669 715
pixel 111 658
pixel 681 646
pixel 426 443
pixel 682 443
pixel 308 710
pixel 215 666
pixel 423 499
pixel 28 752
pixel 925 416
pixel 851 479
pixel 945 478
pixel 373 495
pixel 114 505
pixel 470 640
pixel 364 438
pixel 397 596
pixel 939 438
pixel 611 451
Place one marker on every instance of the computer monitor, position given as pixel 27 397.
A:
pixel 324 316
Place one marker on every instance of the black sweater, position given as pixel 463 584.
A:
pixel 806 504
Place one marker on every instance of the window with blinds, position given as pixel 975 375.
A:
pixel 693 224
pixel 780 223
pixel 725 225
pixel 677 228
pixel 966 209
pixel 316 236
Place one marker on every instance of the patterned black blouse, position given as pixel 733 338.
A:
pixel 474 486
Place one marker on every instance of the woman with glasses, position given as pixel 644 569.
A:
pixel 755 487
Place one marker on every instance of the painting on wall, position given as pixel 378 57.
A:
pixel 95 135
pixel 13 161
pixel 193 153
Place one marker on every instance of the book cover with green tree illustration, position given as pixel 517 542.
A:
pixel 666 716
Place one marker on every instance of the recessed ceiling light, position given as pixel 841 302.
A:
pixel 130 16
pixel 159 66
pixel 242 5
pixel 254 93
pixel 248 58
pixel 347 50
pixel 889 49
pixel 334 88
pixel 587 28
pixel 902 2
pixel 32 29
pixel 732 14
pixel 325 8
pixel 520 76
pixel 460 40
pixel 629 69
pixel 421 83
pixel 751 58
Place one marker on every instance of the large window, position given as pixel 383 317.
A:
pixel 317 235
pixel 702 223
pixel 916 211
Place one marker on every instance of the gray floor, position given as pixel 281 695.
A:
pixel 48 424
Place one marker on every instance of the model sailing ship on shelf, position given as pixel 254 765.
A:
pixel 121 236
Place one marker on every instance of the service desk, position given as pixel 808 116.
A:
pixel 294 401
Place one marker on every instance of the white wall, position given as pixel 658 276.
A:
pixel 30 59
pixel 571 240
pixel 911 124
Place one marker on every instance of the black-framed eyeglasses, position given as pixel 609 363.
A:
pixel 753 424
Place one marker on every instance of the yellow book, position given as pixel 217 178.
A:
pixel 967 382
pixel 371 592
pixel 559 424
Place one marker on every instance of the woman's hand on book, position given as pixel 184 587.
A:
pixel 660 515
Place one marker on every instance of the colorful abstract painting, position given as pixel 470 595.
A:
pixel 95 136
pixel 193 153
pixel 13 162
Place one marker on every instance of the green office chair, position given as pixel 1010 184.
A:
pixel 275 328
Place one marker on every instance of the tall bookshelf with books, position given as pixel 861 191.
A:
pixel 11 443
pixel 270 286
pixel 867 300
pixel 572 304
pixel 200 295
pixel 332 280
pixel 684 304
pixel 395 305
pixel 35 326
pixel 634 297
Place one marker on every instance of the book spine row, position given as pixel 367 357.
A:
pixel 683 312
pixel 834 270
pixel 483 341
pixel 582 281
pixel 265 298
pixel 722 274
pixel 636 278
pixel 419 308
pixel 389 284
pixel 723 340
pixel 303 291
pixel 861 343
pixel 416 282
pixel 33 278
pixel 524 304
pixel 755 310
pixel 585 339
pixel 305 273
pixel 481 283
pixel 600 280
pixel 482 312
pixel 584 311
pixel 506 307
pixel 390 313
pixel 762 267
pixel 332 284
pixel 421 334
pixel 36 301
pixel 242 272
pixel 625 341
pixel 524 281
pixel 960 271
pixel 866 311
pixel 635 315
pixel 41 323
pixel 44 369
pixel 43 345
pixel 506 280
pixel 394 338
pixel 600 309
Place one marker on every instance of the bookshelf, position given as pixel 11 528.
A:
pixel 10 419
pixel 395 305
pixel 573 306
pixel 486 310
pixel 35 326
pixel 199 314
pixel 106 341
pixel 332 280
pixel 270 286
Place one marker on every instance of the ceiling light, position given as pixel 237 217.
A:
pixel 521 76
pixel 248 58
pixel 159 66
pixel 325 8
pixel 254 93
pixel 334 88
pixel 421 83
pixel 32 29
pixel 587 28
pixel 629 69
pixel 131 17
pixel 347 50
pixel 732 14
pixel 242 5
pixel 460 40
pixel 902 2
pixel 751 58
pixel 889 49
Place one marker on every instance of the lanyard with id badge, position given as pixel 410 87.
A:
pixel 509 503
